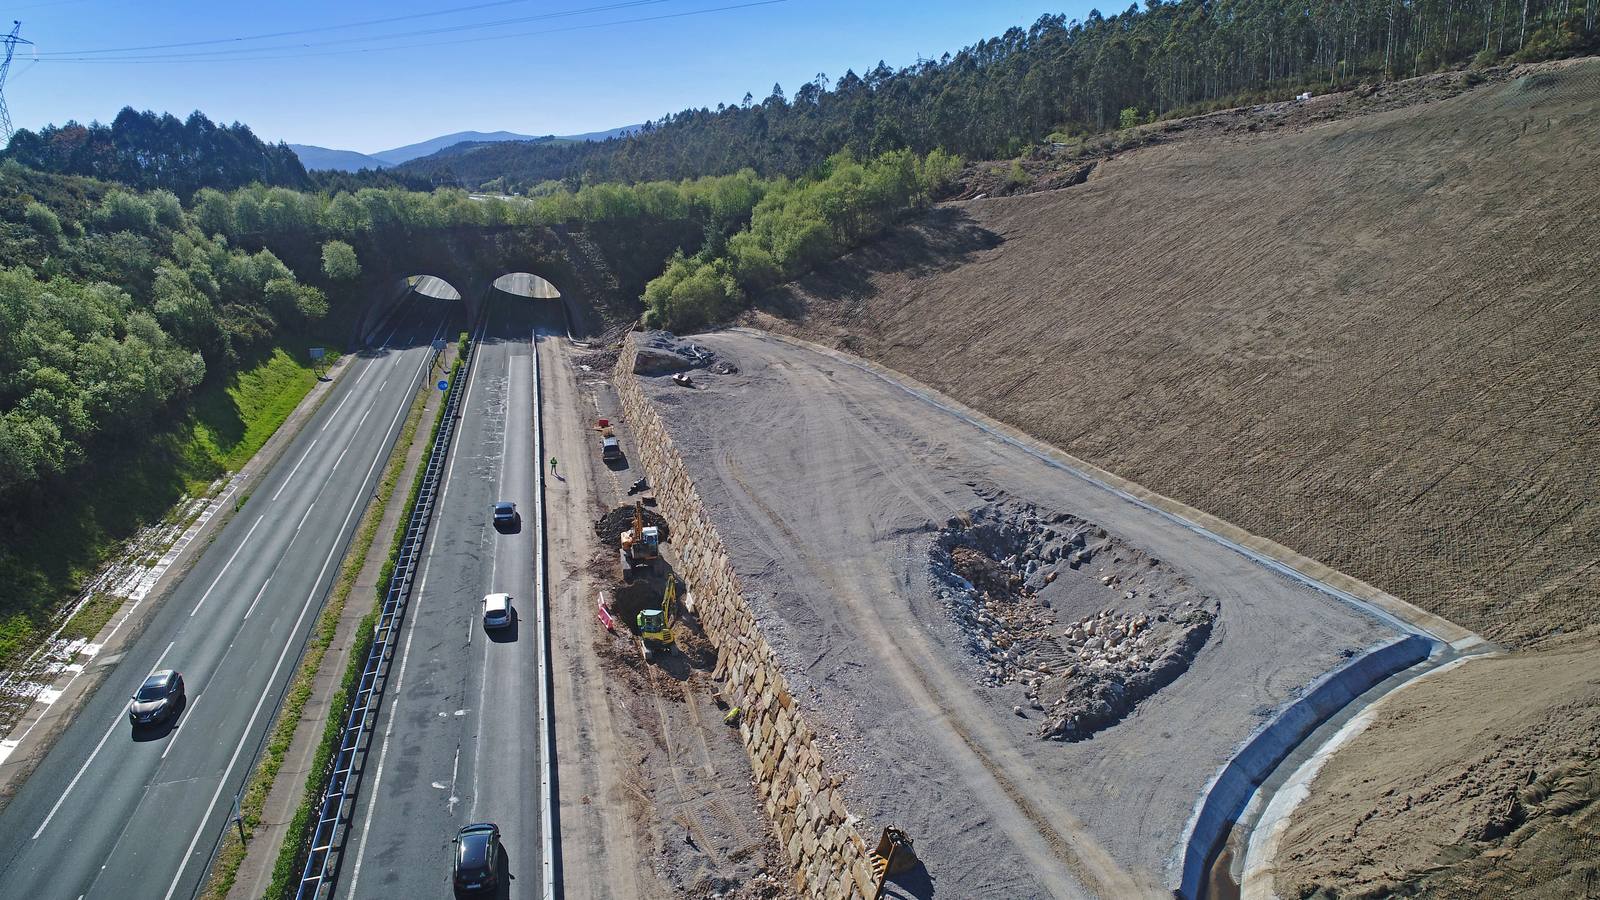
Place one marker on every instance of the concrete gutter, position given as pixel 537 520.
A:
pixel 1231 788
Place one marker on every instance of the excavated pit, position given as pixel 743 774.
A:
pixel 1087 624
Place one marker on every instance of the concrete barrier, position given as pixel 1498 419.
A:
pixel 1230 789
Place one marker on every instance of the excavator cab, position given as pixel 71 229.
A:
pixel 655 625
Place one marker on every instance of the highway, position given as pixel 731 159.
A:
pixel 114 813
pixel 457 735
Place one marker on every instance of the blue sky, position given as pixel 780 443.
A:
pixel 306 89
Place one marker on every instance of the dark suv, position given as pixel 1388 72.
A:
pixel 158 699
pixel 476 871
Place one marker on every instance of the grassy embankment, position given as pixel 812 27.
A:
pixel 48 549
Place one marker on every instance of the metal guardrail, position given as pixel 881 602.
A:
pixel 326 839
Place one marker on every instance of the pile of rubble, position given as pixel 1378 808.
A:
pixel 1121 659
pixel 1005 571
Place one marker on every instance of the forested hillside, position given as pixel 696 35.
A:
pixel 147 151
pixel 993 98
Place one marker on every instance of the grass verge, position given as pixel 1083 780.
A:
pixel 286 870
pixel 232 852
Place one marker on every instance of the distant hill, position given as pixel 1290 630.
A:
pixel 343 160
pixel 433 145
pixel 314 157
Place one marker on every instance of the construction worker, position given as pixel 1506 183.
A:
pixel 552 465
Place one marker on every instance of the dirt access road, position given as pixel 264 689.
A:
pixel 828 482
pixel 655 792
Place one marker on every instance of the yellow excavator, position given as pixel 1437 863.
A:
pixel 641 544
pixel 655 625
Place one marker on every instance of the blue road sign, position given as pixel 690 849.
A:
pixel 444 383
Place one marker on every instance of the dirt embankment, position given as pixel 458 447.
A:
pixel 1478 783
pixel 1373 340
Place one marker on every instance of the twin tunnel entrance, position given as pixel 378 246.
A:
pixel 516 284
pixel 512 287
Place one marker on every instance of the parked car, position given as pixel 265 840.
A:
pixel 158 699
pixel 497 611
pixel 610 449
pixel 506 515
pixel 475 871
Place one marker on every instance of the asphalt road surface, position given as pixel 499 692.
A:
pixel 457 737
pixel 111 812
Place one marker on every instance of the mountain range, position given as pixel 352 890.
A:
pixel 314 157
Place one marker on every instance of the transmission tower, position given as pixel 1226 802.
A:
pixel 11 41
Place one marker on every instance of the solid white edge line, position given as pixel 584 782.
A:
pixel 85 767
pixel 541 611
pixel 290 476
pixel 411 631
pixel 207 594
pixel 183 864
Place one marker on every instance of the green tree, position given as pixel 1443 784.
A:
pixel 339 261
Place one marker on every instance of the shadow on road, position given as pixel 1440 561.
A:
pixel 506 635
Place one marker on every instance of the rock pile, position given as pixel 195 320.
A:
pixel 1005 570
pixel 1121 659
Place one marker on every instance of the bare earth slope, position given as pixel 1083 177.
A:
pixel 1376 341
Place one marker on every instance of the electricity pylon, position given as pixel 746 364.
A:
pixel 11 41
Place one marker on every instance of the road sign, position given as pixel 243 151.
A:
pixel 438 344
pixel 317 353
pixel 444 384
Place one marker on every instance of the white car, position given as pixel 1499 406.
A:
pixel 497 611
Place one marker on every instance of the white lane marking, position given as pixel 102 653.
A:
pixel 295 469
pixel 187 711
pixel 334 416
pixel 258 598
pixel 363 418
pixel 337 461
pixel 451 803
pixel 411 632
pixel 384 385
pixel 115 723
pixel 225 566
pixel 245 736
pixel 307 513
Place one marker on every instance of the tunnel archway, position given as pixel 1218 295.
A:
pixel 432 287
pixel 527 284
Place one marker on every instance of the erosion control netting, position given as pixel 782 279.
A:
pixel 1088 625
pixel 611 525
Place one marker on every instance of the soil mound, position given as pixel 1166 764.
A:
pixel 610 526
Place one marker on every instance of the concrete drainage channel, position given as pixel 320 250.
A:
pixel 327 836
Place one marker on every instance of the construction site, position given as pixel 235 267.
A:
pixel 1162 583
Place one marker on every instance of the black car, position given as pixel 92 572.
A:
pixel 505 515
pixel 476 871
pixel 158 699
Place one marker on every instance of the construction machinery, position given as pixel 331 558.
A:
pixel 655 625
pixel 894 854
pixel 641 544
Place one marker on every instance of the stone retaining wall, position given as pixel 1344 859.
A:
pixel 829 856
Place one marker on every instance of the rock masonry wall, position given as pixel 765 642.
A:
pixel 830 859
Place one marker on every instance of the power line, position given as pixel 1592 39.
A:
pixel 362 24
pixel 244 54
pixel 11 41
